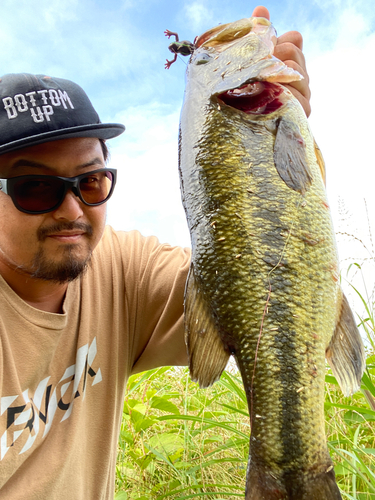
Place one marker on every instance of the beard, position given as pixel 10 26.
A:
pixel 70 267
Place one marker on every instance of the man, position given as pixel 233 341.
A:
pixel 82 306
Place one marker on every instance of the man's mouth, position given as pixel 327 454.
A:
pixel 67 237
pixel 257 98
pixel 69 231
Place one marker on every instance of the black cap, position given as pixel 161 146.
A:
pixel 38 108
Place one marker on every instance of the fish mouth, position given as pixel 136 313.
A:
pixel 256 98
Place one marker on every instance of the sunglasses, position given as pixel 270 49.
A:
pixel 40 194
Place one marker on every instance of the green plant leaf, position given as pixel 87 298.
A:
pixel 366 380
pixel 362 299
pixel 127 436
pixel 121 495
pixel 205 494
pixel 342 453
pixel 330 379
pixel 145 461
pixel 236 410
pixel 351 417
pixel 163 404
pixel 359 409
pixel 140 422
pixel 234 384
pixel 166 443
pixel 161 457
pixel 214 423
pixel 135 381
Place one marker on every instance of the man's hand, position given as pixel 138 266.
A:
pixel 289 50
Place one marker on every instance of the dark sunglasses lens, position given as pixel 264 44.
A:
pixel 38 194
pixel 95 188
pixel 43 194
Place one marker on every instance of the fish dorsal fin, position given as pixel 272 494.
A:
pixel 290 156
pixel 320 160
pixel 207 355
pixel 345 353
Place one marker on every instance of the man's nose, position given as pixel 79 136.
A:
pixel 70 209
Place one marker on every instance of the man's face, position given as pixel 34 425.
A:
pixel 55 246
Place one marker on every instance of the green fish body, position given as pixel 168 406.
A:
pixel 263 284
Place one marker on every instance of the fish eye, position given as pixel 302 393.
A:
pixel 202 58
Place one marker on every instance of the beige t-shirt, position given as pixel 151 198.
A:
pixel 63 376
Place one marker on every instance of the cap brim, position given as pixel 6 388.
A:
pixel 100 130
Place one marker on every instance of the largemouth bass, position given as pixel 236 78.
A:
pixel 264 281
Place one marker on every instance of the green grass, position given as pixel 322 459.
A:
pixel 180 442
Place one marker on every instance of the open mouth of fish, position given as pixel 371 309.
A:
pixel 259 98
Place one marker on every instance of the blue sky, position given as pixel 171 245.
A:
pixel 116 51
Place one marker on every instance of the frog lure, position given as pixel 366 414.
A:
pixel 185 48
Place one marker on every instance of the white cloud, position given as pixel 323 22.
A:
pixel 198 16
pixel 55 12
pixel 341 72
pixel 147 197
pixel 43 16
pixel 66 37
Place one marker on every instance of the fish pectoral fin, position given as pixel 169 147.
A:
pixel 320 160
pixel 207 354
pixel 345 353
pixel 290 156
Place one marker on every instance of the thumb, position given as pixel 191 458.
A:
pixel 261 11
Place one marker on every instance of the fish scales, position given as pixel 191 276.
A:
pixel 263 281
pixel 250 277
